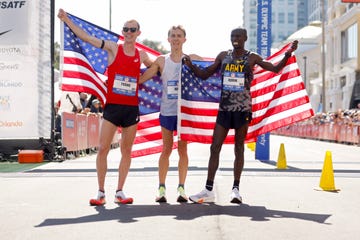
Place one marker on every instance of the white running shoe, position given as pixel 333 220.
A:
pixel 203 196
pixel 120 198
pixel 235 196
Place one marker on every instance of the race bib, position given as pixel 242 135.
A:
pixel 172 89
pixel 233 81
pixel 124 85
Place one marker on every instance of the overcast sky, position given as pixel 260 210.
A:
pixel 208 23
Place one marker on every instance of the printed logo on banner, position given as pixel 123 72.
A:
pixel 14 27
pixel 9 51
pixel 69 123
pixel 10 84
pixel 5 104
pixel 9 67
pixel 2 33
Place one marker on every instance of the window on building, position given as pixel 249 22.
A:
pixel 291 18
pixel 342 81
pixel 273 17
pixel 281 17
pixel 349 41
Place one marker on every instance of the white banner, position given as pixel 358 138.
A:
pixel 25 69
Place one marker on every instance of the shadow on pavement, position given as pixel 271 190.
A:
pixel 132 213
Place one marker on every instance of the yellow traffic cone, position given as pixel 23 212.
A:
pixel 281 162
pixel 327 182
pixel 251 146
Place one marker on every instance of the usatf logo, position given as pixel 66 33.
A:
pixel 12 4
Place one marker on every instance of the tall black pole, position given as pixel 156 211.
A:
pixel 52 52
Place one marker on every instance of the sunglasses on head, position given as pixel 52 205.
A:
pixel 132 29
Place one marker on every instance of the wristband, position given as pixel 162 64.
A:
pixel 102 44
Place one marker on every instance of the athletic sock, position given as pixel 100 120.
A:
pixel 209 185
pixel 236 184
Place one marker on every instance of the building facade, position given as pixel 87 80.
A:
pixel 342 75
pixel 287 17
pixel 341 44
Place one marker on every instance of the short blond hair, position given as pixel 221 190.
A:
pixel 177 27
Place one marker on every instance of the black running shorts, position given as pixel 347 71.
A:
pixel 233 119
pixel 121 115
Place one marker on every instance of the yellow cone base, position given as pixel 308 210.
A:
pixel 281 162
pixel 251 146
pixel 327 182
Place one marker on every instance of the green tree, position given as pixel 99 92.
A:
pixel 156 45
pixel 57 55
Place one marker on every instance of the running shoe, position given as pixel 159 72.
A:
pixel 162 195
pixel 235 196
pixel 120 198
pixel 99 200
pixel 203 196
pixel 182 196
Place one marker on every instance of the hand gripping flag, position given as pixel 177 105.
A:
pixel 278 99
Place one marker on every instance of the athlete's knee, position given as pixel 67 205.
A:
pixel 215 148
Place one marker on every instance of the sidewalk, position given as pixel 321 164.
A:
pixel 51 201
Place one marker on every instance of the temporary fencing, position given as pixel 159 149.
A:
pixel 333 132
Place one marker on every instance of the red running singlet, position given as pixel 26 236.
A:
pixel 123 79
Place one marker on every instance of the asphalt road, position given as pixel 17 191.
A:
pixel 51 201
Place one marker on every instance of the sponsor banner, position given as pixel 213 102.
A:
pixel 14 19
pixel 69 131
pixel 262 151
pixel 25 69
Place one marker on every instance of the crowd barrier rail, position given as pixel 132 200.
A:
pixel 80 132
pixel 332 132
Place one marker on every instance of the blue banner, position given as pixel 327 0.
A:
pixel 262 150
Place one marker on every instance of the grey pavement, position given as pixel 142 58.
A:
pixel 51 201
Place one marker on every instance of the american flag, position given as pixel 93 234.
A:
pixel 84 70
pixel 84 65
pixel 278 99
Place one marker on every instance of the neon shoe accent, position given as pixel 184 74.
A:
pixel 182 196
pixel 162 195
pixel 203 196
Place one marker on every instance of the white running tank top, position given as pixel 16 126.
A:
pixel 170 79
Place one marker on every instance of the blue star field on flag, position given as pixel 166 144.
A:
pixel 97 57
pixel 196 89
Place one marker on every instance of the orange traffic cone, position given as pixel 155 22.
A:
pixel 281 162
pixel 327 182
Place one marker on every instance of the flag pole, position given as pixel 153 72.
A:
pixel 110 15
pixel 323 100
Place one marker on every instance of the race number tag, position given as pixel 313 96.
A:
pixel 234 81
pixel 172 89
pixel 124 85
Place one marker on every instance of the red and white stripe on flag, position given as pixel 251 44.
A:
pixel 278 99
